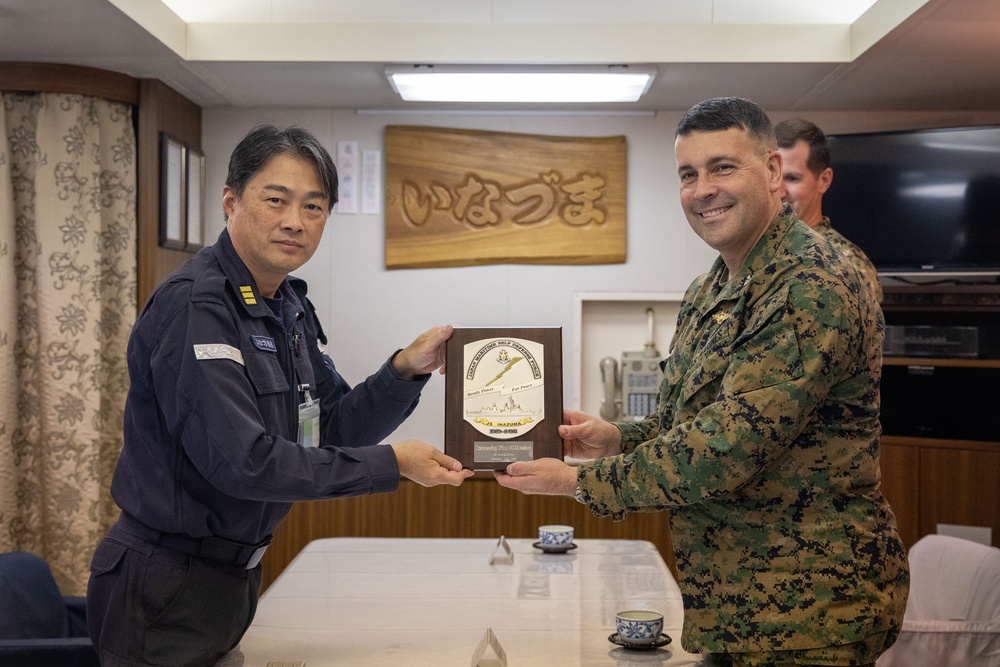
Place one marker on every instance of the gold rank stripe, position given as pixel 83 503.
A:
pixel 248 296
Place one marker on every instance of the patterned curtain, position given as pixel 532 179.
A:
pixel 67 304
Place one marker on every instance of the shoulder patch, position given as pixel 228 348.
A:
pixel 218 351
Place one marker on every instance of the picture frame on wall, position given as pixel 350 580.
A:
pixel 172 192
pixel 195 227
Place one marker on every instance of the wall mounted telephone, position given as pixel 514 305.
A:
pixel 631 394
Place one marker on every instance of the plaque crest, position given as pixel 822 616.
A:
pixel 504 386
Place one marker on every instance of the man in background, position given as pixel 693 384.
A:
pixel 806 176
pixel 764 444
pixel 234 411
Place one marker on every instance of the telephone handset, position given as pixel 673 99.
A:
pixel 631 394
pixel 610 404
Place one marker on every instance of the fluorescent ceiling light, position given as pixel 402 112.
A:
pixel 439 83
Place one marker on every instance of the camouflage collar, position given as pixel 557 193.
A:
pixel 767 246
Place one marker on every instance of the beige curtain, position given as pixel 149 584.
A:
pixel 67 304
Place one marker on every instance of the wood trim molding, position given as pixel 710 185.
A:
pixel 71 79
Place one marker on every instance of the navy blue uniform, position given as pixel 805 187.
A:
pixel 211 461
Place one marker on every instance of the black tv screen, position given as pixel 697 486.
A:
pixel 920 201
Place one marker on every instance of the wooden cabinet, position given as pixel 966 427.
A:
pixel 941 418
pixel 934 481
pixel 900 485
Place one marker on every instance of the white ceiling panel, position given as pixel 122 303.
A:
pixel 784 12
pixel 603 12
pixel 520 11
pixel 902 54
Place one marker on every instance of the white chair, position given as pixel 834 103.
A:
pixel 952 616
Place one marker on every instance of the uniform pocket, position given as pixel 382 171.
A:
pixel 194 594
pixel 265 372
pixel 107 557
pixel 766 353
pixel 171 570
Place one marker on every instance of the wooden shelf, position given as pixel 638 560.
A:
pixel 940 361
pixel 941 443
pixel 942 298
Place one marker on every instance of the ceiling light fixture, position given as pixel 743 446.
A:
pixel 574 84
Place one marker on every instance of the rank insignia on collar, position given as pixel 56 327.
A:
pixel 248 296
pixel 720 317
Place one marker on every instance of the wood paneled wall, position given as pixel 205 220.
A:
pixel 478 508
pixel 161 109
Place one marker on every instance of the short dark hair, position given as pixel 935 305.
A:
pixel 267 141
pixel 790 132
pixel 724 113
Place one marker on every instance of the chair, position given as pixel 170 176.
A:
pixel 38 626
pixel 952 616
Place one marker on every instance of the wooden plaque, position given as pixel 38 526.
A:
pixel 503 395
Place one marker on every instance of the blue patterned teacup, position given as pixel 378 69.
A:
pixel 639 626
pixel 555 536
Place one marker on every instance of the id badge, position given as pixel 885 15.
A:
pixel 309 422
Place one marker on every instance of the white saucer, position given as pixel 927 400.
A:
pixel 554 548
pixel 659 643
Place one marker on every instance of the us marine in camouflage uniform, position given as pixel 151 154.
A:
pixel 854 254
pixel 806 176
pixel 764 445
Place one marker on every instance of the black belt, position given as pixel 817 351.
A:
pixel 213 548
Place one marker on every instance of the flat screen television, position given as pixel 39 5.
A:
pixel 919 202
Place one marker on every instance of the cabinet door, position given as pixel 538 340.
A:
pixel 900 486
pixel 960 486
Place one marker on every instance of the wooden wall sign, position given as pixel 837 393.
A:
pixel 467 197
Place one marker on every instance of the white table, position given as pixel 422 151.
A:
pixel 415 602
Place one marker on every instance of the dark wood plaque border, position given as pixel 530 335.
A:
pixel 460 436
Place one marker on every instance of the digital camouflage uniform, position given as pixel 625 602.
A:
pixel 855 255
pixel 764 448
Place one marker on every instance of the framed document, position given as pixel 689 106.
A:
pixel 172 196
pixel 195 200
pixel 503 395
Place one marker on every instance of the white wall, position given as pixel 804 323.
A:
pixel 368 312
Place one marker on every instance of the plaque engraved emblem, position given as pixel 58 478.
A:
pixel 504 386
pixel 509 398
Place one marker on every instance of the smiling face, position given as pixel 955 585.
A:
pixel 729 189
pixel 801 188
pixel 277 224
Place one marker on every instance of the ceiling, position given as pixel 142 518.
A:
pixel 784 54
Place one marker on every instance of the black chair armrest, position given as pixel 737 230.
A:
pixel 76 615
